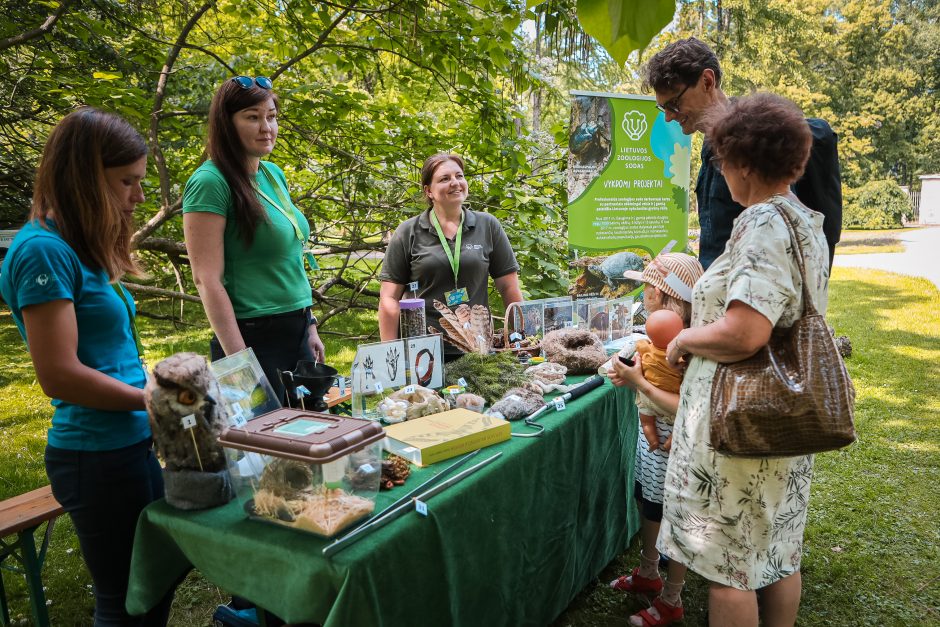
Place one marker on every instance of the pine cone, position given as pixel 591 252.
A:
pixel 395 470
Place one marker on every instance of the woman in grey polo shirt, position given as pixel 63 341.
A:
pixel 448 250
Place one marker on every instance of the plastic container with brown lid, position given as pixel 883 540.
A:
pixel 308 470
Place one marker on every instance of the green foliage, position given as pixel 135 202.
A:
pixel 624 26
pixel 367 90
pixel 875 205
pixel 869 68
pixel 488 375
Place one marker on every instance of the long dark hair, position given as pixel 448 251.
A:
pixel 70 182
pixel 227 153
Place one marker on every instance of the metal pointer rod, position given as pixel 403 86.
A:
pixel 460 476
pixel 394 510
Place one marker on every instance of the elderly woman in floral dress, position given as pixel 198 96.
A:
pixel 737 521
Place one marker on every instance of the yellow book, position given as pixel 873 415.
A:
pixel 430 439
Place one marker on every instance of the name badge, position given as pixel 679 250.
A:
pixel 457 296
pixel 311 260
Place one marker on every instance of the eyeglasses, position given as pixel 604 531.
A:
pixel 673 105
pixel 246 82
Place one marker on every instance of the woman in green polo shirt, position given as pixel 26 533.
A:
pixel 246 239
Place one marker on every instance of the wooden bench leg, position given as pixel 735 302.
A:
pixel 24 550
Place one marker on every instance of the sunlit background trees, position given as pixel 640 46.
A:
pixel 369 88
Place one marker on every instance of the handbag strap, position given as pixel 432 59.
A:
pixel 808 307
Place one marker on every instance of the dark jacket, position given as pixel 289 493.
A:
pixel 820 189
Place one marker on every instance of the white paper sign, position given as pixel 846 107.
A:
pixel 383 364
pixel 237 416
pixel 426 361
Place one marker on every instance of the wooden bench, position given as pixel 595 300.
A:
pixel 339 403
pixel 22 515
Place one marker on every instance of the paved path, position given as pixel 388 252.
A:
pixel 921 257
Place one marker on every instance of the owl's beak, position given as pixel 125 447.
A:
pixel 208 407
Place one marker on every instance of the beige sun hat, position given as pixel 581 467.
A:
pixel 673 273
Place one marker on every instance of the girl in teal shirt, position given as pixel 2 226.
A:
pixel 60 279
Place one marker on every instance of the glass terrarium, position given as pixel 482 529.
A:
pixel 308 470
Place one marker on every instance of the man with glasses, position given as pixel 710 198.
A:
pixel 686 79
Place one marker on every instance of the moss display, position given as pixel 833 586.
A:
pixel 487 375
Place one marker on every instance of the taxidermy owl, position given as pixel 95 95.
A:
pixel 186 415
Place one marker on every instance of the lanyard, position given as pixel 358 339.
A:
pixel 452 257
pixel 119 290
pixel 285 206
pixel 285 209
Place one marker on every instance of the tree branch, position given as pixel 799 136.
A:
pixel 317 44
pixel 36 32
pixel 157 109
pixel 158 219
pixel 149 290
pixel 163 245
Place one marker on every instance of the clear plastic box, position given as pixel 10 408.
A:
pixel 308 470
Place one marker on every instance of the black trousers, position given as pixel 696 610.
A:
pixel 279 341
pixel 104 493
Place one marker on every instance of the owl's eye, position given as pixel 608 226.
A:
pixel 186 397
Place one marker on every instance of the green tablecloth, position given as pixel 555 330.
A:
pixel 510 545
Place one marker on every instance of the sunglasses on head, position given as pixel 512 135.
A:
pixel 246 82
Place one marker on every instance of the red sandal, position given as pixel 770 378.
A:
pixel 667 614
pixel 638 585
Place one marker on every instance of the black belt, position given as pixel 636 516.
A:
pixel 304 313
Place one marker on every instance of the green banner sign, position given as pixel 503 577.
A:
pixel 628 189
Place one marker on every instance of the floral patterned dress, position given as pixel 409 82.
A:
pixel 740 521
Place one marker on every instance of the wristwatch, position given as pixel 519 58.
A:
pixel 313 321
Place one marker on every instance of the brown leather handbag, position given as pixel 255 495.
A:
pixel 794 397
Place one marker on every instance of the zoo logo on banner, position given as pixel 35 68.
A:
pixel 634 124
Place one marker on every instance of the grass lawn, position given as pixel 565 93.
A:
pixel 872 554
pixel 862 242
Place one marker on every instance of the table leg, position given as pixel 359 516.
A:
pixel 32 564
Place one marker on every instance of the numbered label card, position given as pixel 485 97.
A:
pixel 426 361
pixel 383 363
